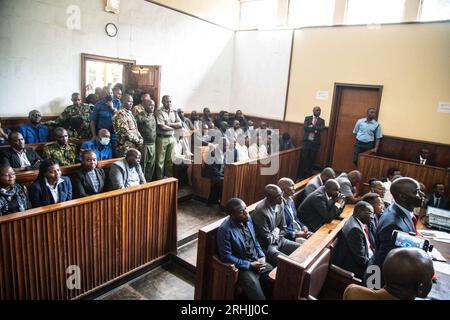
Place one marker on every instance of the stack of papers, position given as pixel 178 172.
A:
pixel 440 236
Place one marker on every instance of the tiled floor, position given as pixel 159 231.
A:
pixel 188 252
pixel 168 282
pixel 193 214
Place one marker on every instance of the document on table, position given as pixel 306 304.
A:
pixel 436 255
pixel 442 267
pixel 440 236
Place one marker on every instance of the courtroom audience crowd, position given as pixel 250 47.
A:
pixel 148 142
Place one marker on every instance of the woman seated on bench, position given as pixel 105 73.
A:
pixel 50 187
pixel 13 197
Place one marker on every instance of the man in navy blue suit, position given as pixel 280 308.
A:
pixel 237 244
pixel 398 216
pixel 295 229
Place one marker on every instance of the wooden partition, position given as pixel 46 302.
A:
pixel 289 275
pixel 372 166
pixel 244 179
pixel 26 178
pixel 107 236
pixel 215 279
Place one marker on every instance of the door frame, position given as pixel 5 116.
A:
pixel 87 56
pixel 335 110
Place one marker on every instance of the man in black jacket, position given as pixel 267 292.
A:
pixel 19 157
pixel 353 250
pixel 89 179
pixel 321 206
pixel 313 126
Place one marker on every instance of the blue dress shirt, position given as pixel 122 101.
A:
pixel 367 131
pixel 34 134
pixel 102 116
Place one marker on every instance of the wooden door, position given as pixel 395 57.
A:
pixel 350 103
pixel 144 79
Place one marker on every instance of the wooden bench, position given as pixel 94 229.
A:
pixel 26 178
pixel 246 181
pixel 107 236
pixel 304 273
pixel 200 184
pixel 372 166
pixel 214 279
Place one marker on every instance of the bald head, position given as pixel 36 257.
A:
pixel 408 273
pixel 273 194
pixel 406 193
pixel 354 177
pixel 363 211
pixel 327 174
pixel 332 188
pixel 133 157
pixel 287 186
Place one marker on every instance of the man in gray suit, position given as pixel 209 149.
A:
pixel 322 206
pixel 127 172
pixel 270 225
pixel 319 180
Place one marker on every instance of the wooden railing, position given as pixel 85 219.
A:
pixel 106 236
pixel 215 279
pixel 372 166
pixel 246 181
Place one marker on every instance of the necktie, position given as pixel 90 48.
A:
pixel 366 231
pixel 414 219
pixel 436 202
pixel 312 134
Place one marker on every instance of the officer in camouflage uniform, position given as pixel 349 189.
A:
pixel 146 123
pixel 125 127
pixel 62 150
pixel 76 119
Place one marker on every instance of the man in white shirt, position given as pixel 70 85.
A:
pixel 242 150
pixel 391 173
pixel 258 149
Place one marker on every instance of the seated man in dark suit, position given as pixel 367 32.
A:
pixel 270 225
pixel 89 179
pixel 296 231
pixel 237 244
pixel 322 206
pixel 19 157
pixel 319 180
pixel 399 216
pixel 423 157
pixel 438 199
pixel 378 208
pixel 353 250
pixel 408 274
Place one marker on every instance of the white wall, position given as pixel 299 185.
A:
pixel 40 56
pixel 260 72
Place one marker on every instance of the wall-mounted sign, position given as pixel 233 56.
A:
pixel 444 107
pixel 322 95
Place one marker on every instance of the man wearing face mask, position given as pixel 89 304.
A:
pixel 101 145
pixel 399 216
pixel 35 131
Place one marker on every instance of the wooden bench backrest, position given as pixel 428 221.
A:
pixel 107 236
pixel 290 274
pixel 372 166
pixel 215 280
